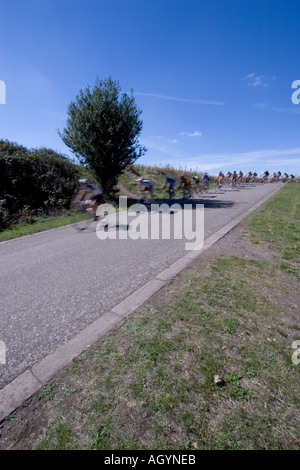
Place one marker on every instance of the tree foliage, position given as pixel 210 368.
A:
pixel 103 129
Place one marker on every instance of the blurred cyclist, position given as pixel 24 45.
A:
pixel 169 185
pixel 220 178
pixel 196 182
pixel 146 187
pixel 89 194
pixel 186 184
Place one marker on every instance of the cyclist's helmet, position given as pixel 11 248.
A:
pixel 140 180
pixel 85 181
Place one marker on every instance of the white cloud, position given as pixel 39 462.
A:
pixel 255 155
pixel 250 75
pixel 255 160
pixel 185 100
pixel 191 134
pixel 172 141
pixel 294 110
pixel 255 80
pixel 285 110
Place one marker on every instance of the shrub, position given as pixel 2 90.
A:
pixel 34 181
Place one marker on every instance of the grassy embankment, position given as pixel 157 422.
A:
pixel 150 383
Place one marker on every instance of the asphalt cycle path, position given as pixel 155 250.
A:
pixel 56 283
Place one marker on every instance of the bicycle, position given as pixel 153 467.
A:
pixel 186 193
pixel 219 184
pixel 146 200
pixel 204 188
pixel 83 216
pixel 228 181
pixel 170 190
pixel 197 190
pixel 264 179
pixel 233 183
pixel 171 193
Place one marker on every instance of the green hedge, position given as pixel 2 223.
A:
pixel 34 182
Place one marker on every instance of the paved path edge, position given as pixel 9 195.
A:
pixel 14 394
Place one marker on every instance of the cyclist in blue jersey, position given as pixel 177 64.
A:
pixel 169 185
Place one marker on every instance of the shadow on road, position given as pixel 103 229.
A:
pixel 208 201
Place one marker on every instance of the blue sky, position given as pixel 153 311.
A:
pixel 213 78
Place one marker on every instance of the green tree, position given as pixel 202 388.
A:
pixel 103 129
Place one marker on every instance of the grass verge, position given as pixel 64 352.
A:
pixel 150 384
pixel 40 225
